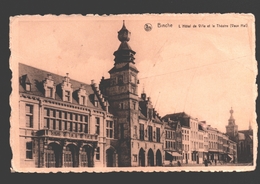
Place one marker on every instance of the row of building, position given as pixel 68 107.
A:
pixel 67 123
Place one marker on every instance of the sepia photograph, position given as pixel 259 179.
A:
pixel 150 92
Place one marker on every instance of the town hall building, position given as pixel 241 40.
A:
pixel 68 123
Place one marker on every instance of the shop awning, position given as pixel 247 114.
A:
pixel 175 154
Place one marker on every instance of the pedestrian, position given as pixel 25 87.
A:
pixel 206 163
pixel 215 161
pixel 179 163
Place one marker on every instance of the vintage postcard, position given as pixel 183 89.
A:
pixel 150 92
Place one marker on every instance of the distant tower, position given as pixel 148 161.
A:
pixel 231 128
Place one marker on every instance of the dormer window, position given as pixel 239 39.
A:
pixel 25 81
pixel 82 100
pixel 96 103
pixel 28 87
pixel 49 87
pixel 67 96
pixel 49 92
pixel 66 89
pixel 82 95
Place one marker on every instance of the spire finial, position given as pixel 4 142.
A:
pixel 124 34
pixel 143 89
pixel 250 126
pixel 231 112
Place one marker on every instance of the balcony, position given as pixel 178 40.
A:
pixel 67 135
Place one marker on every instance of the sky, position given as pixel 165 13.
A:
pixel 203 71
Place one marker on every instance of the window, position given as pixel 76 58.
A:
pixel 110 128
pixel 29 150
pixel 82 100
pixel 97 153
pixel 28 87
pixel 141 126
pixel 133 90
pixel 135 130
pixel 134 105
pixel 67 96
pixel 96 103
pixel 52 124
pixel 49 92
pixel 150 111
pixel 121 105
pixel 122 130
pixel 135 158
pixel 158 136
pixel 97 125
pixel 86 124
pixel 120 79
pixel 150 133
pixel 29 115
pixel 133 79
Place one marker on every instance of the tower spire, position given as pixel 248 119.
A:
pixel 231 119
pixel 124 53
pixel 250 126
pixel 231 114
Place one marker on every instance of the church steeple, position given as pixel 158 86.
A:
pixel 232 128
pixel 231 119
pixel 124 53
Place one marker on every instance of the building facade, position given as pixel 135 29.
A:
pixel 190 127
pixel 173 145
pixel 63 122
pixel 68 123
pixel 138 124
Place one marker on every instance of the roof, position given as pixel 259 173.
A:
pixel 176 115
pixel 241 136
pixel 37 76
pixel 248 132
pixel 181 116
pixel 126 67
pixel 124 46
pixel 142 116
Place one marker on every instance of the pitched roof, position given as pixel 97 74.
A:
pixel 181 116
pixel 248 132
pixel 37 76
pixel 126 67
pixel 176 115
pixel 241 136
pixel 142 116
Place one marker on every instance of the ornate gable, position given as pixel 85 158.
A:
pixel 49 87
pixel 66 88
pixel 82 95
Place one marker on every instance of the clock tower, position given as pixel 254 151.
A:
pixel 121 91
pixel 231 128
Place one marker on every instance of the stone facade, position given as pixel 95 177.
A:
pixel 138 125
pixel 63 122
